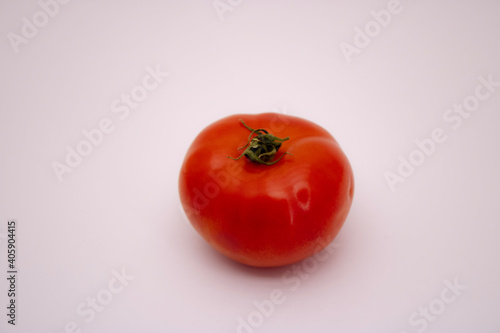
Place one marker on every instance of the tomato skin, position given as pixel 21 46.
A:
pixel 266 215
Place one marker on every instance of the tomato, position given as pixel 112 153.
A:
pixel 280 198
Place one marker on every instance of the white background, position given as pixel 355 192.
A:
pixel 119 208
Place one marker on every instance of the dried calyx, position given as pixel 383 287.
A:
pixel 261 146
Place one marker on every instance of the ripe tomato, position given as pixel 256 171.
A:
pixel 279 211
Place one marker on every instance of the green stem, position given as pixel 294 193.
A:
pixel 261 148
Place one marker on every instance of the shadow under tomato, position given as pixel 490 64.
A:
pixel 242 269
pixel 311 265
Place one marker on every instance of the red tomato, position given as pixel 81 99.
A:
pixel 273 213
